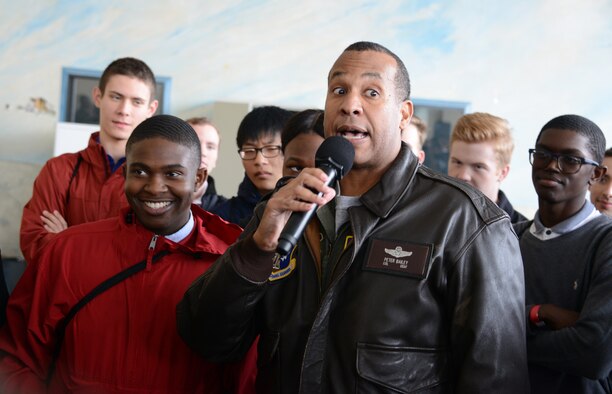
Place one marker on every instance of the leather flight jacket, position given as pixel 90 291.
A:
pixel 427 296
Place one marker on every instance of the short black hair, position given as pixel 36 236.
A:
pixel 170 128
pixel 583 126
pixel 608 152
pixel 402 79
pixel 130 67
pixel 267 120
pixel 309 121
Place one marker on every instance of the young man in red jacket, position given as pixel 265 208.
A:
pixel 85 186
pixel 124 339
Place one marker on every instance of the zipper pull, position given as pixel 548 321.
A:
pixel 150 252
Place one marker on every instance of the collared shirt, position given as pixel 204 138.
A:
pixel 343 203
pixel 183 232
pixel 334 220
pixel 113 166
pixel 582 217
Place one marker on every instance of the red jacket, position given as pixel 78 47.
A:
pixel 95 194
pixel 126 339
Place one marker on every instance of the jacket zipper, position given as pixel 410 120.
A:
pixel 150 252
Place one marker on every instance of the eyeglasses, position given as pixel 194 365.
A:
pixel 268 151
pixel 567 164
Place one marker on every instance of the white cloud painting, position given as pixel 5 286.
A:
pixel 526 61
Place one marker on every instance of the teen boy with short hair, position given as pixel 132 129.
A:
pixel 86 186
pixel 479 153
pixel 259 146
pixel 206 196
pixel 567 259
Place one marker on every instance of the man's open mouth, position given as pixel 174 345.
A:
pixel 352 134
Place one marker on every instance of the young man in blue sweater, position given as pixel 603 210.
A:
pixel 567 255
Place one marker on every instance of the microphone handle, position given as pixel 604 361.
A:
pixel 294 228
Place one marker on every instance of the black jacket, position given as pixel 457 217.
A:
pixel 504 203
pixel 446 319
pixel 239 209
pixel 211 199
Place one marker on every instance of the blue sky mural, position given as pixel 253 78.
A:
pixel 526 61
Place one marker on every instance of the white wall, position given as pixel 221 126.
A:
pixel 15 191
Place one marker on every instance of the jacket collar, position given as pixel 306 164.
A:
pixel 95 152
pixel 385 194
pixel 96 156
pixel 210 233
pixel 248 192
pixel 210 187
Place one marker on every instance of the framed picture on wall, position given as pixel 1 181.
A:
pixel 77 106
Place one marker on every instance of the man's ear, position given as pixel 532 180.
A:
pixel 421 156
pixel 503 172
pixel 597 173
pixel 96 94
pixel 152 108
pixel 124 171
pixel 201 176
pixel 406 110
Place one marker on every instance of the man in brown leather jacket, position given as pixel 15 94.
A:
pixel 406 281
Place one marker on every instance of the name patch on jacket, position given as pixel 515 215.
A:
pixel 398 257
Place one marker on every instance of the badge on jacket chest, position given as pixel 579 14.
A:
pixel 398 257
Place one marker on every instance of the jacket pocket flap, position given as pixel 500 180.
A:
pixel 401 369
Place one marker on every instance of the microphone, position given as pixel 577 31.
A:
pixel 335 157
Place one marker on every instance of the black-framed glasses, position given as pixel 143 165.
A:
pixel 567 164
pixel 268 151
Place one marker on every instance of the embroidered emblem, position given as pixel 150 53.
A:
pixel 398 257
pixel 286 265
pixel 398 252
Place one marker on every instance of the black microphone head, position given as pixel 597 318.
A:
pixel 337 151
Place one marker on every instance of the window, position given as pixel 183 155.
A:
pixel 77 106
pixel 440 117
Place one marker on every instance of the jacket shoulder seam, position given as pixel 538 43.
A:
pixel 487 210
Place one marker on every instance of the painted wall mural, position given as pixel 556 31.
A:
pixel 526 61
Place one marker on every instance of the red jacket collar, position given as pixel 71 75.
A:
pixel 211 234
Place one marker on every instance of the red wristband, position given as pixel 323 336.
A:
pixel 534 315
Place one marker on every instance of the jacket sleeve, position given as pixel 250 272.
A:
pixel 240 377
pixel 488 325
pixel 27 339
pixel 584 349
pixel 49 193
pixel 217 314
